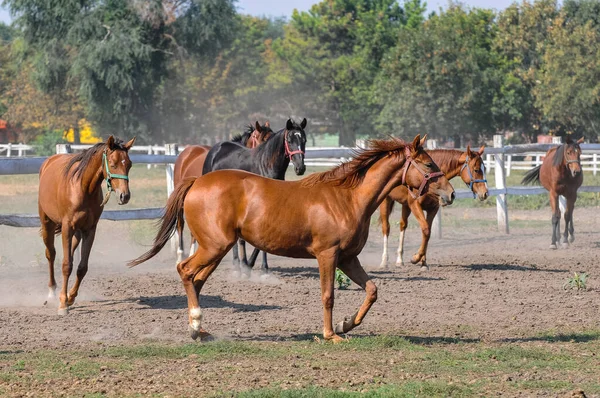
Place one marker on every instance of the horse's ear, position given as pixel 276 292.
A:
pixel 416 144
pixel 129 144
pixel 267 124
pixel 424 140
pixel 580 141
pixel 303 124
pixel 110 142
pixel 257 126
pixel 481 150
pixel 289 125
pixel 469 150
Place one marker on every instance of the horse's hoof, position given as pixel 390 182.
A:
pixel 205 336
pixel 63 311
pixel 335 339
pixel 424 267
pixel 553 246
pixel 194 334
pixel 571 239
pixel 383 266
pixel 416 259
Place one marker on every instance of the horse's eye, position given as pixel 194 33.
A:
pixel 429 165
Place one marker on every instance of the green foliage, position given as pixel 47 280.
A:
pixel 341 279
pixel 577 282
pixel 45 143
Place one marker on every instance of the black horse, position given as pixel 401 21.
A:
pixel 271 159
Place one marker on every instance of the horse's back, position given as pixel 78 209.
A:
pixel 227 155
pixel 189 163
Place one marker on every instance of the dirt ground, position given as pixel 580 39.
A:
pixel 482 284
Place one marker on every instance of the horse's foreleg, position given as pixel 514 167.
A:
pixel 403 225
pixel 48 228
pixel 569 228
pixel 86 249
pixel 385 210
pixel 355 271
pixel 67 266
pixel 265 265
pixel 555 219
pixel 431 213
pixel 327 264
pixel 417 210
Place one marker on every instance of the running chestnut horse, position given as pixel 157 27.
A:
pixel 560 173
pixel 469 165
pixel 324 216
pixel 70 203
pixel 269 160
pixel 190 161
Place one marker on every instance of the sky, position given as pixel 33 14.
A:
pixel 278 8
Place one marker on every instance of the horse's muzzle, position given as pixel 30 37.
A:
pixel 300 170
pixel 446 200
pixel 124 198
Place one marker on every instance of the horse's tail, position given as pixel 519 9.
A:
pixel 173 216
pixel 532 176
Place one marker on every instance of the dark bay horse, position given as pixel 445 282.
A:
pixel 561 174
pixel 190 161
pixel 324 216
pixel 70 202
pixel 468 164
pixel 270 160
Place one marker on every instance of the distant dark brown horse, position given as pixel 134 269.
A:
pixel 70 202
pixel 560 173
pixel 324 216
pixel 190 162
pixel 469 165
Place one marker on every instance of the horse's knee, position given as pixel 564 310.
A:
pixel 426 232
pixel 555 218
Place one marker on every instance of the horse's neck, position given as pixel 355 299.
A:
pixel 271 158
pixel 379 180
pixel 448 161
pixel 91 178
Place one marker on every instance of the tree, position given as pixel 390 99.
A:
pixel 116 51
pixel 569 88
pixel 439 79
pixel 332 54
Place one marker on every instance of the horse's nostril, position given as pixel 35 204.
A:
pixel 452 196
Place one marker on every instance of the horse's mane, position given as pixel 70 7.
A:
pixel 443 157
pixel 559 155
pixel 245 136
pixel 350 174
pixel 84 158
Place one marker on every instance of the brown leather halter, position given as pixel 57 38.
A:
pixel 287 147
pixel 426 176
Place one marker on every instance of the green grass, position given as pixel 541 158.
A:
pixel 545 363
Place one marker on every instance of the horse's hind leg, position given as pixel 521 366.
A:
pixel 67 266
pixel 385 210
pixel 194 271
pixel 569 228
pixel 265 264
pixel 355 271
pixel 47 231
pixel 86 248
pixel 555 219
pixel 430 216
pixel 403 225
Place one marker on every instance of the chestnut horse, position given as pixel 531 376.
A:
pixel 190 161
pixel 561 174
pixel 469 165
pixel 324 216
pixel 70 202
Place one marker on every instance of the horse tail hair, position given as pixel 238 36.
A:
pixel 172 217
pixel 532 176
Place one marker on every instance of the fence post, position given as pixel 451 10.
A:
pixel 171 149
pixel 8 150
pixel 436 225
pixel 488 161
pixel 20 149
pixel 148 166
pixel 508 164
pixel 500 173
pixel 594 163
pixel 557 140
pixel 64 148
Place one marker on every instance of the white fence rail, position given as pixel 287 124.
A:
pixel 497 159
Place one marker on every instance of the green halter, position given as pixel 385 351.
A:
pixel 109 175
